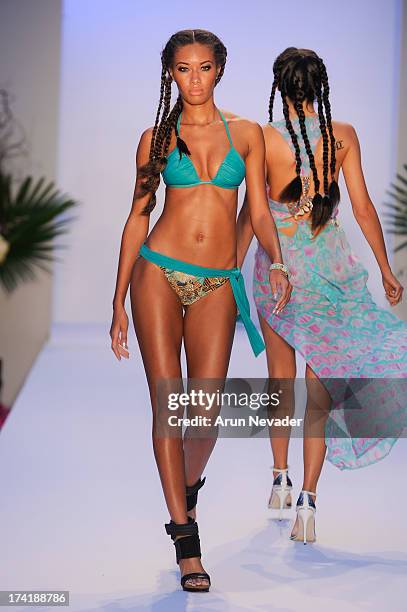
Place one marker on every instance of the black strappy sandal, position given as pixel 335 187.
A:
pixel 187 547
pixel 192 493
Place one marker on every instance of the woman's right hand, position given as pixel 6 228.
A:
pixel 118 332
pixel 394 290
pixel 281 289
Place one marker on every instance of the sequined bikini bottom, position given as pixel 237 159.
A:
pixel 191 282
pixel 190 287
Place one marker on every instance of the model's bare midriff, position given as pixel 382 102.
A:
pixel 198 225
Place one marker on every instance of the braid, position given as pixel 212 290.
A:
pixel 292 192
pixel 160 156
pixel 319 208
pixel 157 145
pixel 172 125
pixel 166 120
pixel 301 115
pixel 334 193
pixel 181 144
pixel 325 83
pixel 277 75
pixel 272 96
pixel 156 163
pixel 322 127
pixel 160 103
pixel 221 71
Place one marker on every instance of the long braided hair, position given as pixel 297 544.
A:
pixel 300 75
pixel 166 118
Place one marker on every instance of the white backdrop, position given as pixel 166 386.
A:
pixel 110 79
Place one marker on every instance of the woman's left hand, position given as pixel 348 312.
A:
pixel 280 286
pixel 393 288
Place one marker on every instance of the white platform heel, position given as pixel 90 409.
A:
pixel 280 492
pixel 305 518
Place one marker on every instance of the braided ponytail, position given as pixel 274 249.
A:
pixel 272 96
pixel 322 207
pixel 301 115
pixel 165 86
pixel 181 144
pixel 325 144
pixel 334 193
pixel 292 192
pixel 150 172
pixel 166 120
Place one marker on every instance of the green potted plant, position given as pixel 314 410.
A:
pixel 32 212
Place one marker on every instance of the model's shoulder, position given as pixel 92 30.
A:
pixel 271 129
pixel 145 140
pixel 341 128
pixel 345 135
pixel 146 136
pixel 241 123
pixel 144 145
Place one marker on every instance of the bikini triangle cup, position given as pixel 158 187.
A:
pixel 181 172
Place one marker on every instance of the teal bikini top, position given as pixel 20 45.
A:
pixel 180 170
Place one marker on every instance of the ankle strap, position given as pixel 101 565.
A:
pixel 188 545
pixel 192 493
pixel 309 492
pixel 185 529
pixel 191 489
pixel 279 469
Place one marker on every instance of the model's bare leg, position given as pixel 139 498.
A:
pixel 318 405
pixel 157 317
pixel 158 321
pixel 282 372
pixel 209 327
pixel 317 411
pixel 159 324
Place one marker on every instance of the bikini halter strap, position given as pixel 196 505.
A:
pixel 225 123
pixel 179 123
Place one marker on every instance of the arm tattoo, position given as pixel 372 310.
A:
pixel 339 144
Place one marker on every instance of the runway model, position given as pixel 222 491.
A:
pixel 331 319
pixel 185 285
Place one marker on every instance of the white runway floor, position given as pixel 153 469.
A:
pixel 82 508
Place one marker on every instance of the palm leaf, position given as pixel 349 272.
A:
pixel 399 189
pixel 397 197
pixel 399 229
pixel 400 246
pixel 402 179
pixel 396 215
pixel 394 207
pixel 397 218
pixel 30 220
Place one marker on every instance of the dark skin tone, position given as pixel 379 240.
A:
pixel 197 225
pixel 280 170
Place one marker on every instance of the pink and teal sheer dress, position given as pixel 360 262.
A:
pixel 333 322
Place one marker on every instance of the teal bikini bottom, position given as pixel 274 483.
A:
pixel 192 282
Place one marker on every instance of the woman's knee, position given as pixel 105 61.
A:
pixel 282 370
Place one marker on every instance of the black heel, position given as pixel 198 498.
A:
pixel 192 493
pixel 186 547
